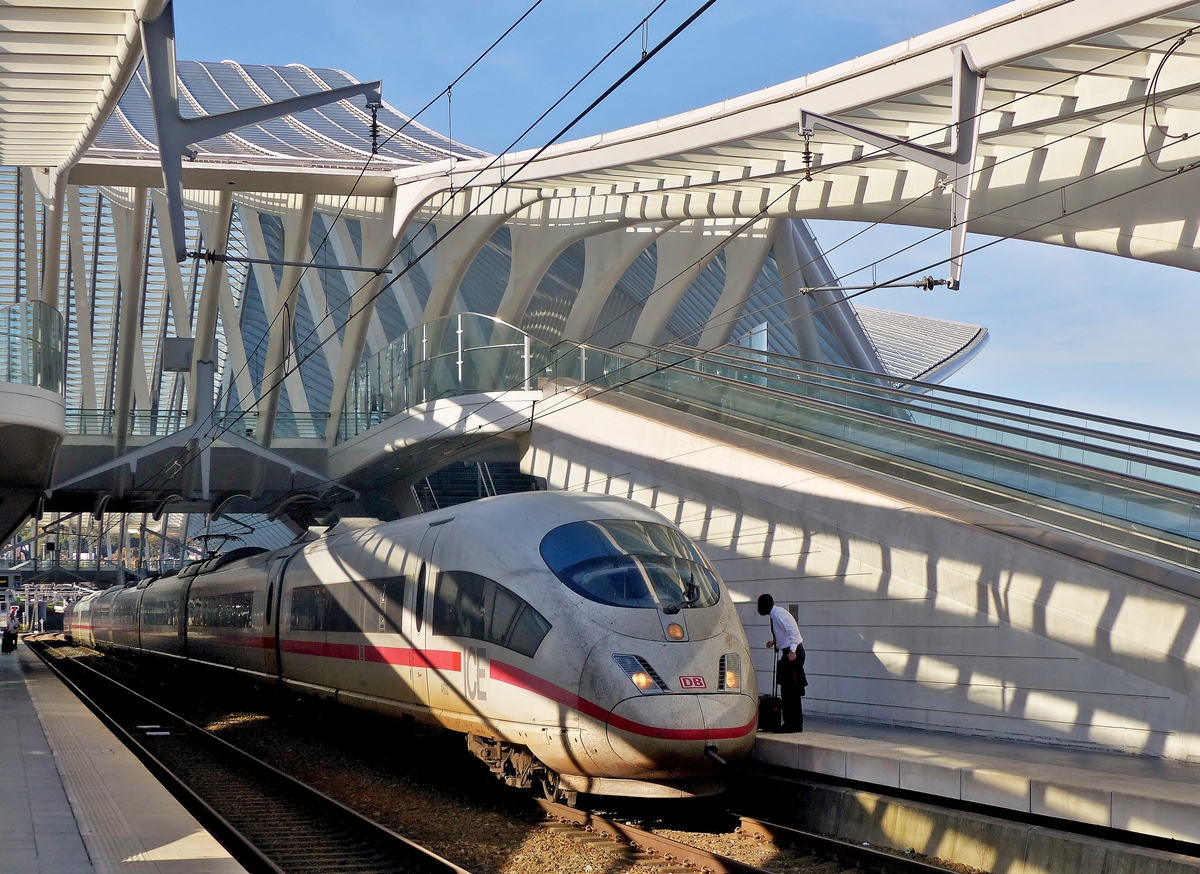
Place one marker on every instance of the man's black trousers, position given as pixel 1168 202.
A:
pixel 792 681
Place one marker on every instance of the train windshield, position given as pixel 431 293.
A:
pixel 626 563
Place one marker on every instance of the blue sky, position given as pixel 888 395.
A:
pixel 1071 328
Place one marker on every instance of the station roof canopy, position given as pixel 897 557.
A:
pixel 63 65
pixel 1085 136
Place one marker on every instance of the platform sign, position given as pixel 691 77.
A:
pixel 9 581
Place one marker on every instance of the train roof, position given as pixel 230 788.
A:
pixel 536 513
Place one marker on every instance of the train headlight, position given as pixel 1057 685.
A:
pixel 729 674
pixel 639 672
pixel 642 680
pixel 675 631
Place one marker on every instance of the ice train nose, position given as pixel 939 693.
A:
pixel 656 731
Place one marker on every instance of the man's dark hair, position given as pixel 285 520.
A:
pixel 765 603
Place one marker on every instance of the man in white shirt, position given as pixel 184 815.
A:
pixel 786 640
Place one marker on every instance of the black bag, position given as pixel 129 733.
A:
pixel 770 707
pixel 770 713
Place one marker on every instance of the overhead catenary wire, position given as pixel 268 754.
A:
pixel 804 291
pixel 940 231
pixel 877 153
pixel 660 367
pixel 575 121
pixel 863 291
pixel 430 219
pixel 683 359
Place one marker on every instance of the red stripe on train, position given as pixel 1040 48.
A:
pixel 514 676
pixel 439 659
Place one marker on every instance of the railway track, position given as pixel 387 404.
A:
pixel 222 781
pixel 268 820
pixel 679 858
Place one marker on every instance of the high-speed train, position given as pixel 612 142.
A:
pixel 582 643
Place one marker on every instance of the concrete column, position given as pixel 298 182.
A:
pixel 606 258
pixel 296 227
pixel 744 257
pixel 682 254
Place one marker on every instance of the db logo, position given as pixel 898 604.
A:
pixel 692 683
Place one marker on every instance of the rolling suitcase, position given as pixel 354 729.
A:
pixel 770 707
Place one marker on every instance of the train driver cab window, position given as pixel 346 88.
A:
pixel 470 605
pixel 629 563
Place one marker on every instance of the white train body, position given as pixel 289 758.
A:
pixel 584 630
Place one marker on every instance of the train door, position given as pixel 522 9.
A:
pixel 425 665
pixel 392 637
pixel 447 657
pixel 270 635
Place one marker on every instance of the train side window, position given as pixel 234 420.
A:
pixel 419 607
pixel 161 612
pixel 231 610
pixel 469 605
pixel 306 608
pixel 343 604
pixel 324 608
pixel 528 632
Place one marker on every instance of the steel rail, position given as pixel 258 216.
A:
pixel 669 851
pixel 379 839
pixel 852 855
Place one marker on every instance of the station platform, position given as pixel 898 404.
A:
pixel 74 799
pixel 1141 795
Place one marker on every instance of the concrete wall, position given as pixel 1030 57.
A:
pixel 982 842
pixel 911 615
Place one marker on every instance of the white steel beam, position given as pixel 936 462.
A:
pixel 800 306
pixel 380 245
pixel 129 225
pixel 81 279
pixel 534 248
pixel 606 258
pixel 816 274
pixel 683 253
pixel 459 241
pixel 281 315
pixel 214 227
pixel 744 256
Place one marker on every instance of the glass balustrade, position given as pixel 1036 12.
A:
pixel 31 345
pixel 1134 486
pixel 462 354
pixel 99 423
